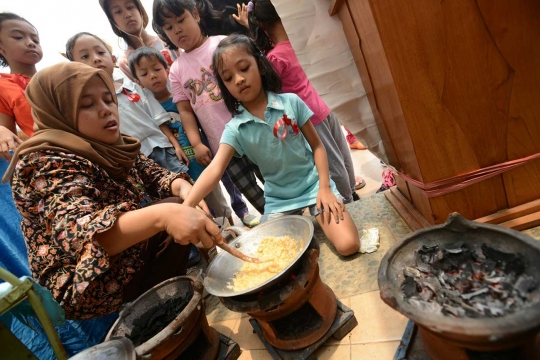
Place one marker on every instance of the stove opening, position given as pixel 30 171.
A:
pixel 513 353
pixel 297 324
pixel 197 349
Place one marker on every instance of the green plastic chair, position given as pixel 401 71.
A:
pixel 12 348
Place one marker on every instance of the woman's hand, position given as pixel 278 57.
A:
pixel 242 17
pixel 328 203
pixel 187 225
pixel 203 155
pixel 8 141
pixel 181 188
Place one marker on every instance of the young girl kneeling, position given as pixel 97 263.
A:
pixel 272 130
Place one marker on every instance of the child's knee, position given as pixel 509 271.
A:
pixel 348 245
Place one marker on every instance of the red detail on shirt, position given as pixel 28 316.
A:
pixel 285 121
pixel 167 56
pixel 131 97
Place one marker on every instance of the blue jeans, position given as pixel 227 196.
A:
pixel 166 158
pixel 237 203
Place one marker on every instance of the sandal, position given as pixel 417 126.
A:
pixel 251 220
pixel 359 183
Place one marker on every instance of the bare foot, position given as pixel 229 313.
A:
pixel 357 145
pixel 359 183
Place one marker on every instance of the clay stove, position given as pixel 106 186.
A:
pixel 298 313
pixel 448 335
pixel 188 336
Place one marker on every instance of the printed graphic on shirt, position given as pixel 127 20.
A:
pixel 207 83
pixel 175 125
pixel 285 126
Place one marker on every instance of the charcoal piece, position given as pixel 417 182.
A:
pixel 437 256
pixel 510 302
pixel 502 293
pixel 420 265
pixel 453 310
pixel 411 272
pixel 409 287
pixel 525 284
pixel 445 264
pixel 156 319
pixel 470 295
pixel 489 265
pixel 426 249
pixel 426 294
pixel 463 283
pixel 429 307
pixel 472 313
pixel 495 309
pixel 494 279
pixel 454 248
pixel 516 266
pixel 432 283
pixel 442 278
pixel 427 253
pixel 509 262
pixel 476 268
pixel 497 255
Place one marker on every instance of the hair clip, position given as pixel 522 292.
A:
pixel 250 6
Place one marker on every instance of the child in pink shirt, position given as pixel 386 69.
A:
pixel 270 36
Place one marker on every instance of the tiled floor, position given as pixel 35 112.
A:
pixel 376 337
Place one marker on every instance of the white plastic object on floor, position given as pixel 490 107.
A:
pixel 369 242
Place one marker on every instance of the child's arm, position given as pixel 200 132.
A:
pixel 203 155
pixel 8 138
pixel 174 142
pixel 209 178
pixel 326 200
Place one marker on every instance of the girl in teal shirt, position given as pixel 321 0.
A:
pixel 274 131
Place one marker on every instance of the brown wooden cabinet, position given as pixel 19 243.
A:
pixel 455 86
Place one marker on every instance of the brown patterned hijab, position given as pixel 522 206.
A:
pixel 54 94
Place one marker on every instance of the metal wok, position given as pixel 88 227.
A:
pixel 222 269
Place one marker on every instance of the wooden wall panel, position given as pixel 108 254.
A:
pixel 457 85
pixel 355 44
pixel 387 101
pixel 515 29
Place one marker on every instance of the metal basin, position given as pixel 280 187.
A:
pixel 222 269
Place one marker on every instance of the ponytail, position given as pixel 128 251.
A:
pixel 261 17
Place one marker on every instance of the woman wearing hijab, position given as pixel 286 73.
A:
pixel 81 186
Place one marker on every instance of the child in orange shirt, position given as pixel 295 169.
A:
pixel 20 49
